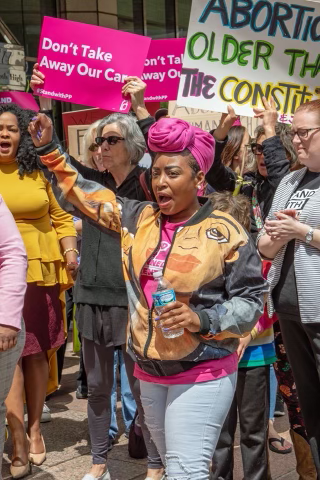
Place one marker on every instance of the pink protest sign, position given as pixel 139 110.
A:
pixel 24 100
pixel 162 69
pixel 87 64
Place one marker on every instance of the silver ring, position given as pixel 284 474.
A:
pixel 134 83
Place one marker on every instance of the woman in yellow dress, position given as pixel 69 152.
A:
pixel 50 241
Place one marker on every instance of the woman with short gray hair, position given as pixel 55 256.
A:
pixel 132 137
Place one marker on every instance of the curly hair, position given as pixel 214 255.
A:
pixel 26 154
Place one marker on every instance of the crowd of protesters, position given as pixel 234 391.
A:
pixel 230 221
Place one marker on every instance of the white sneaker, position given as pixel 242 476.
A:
pixel 105 476
pixel 46 414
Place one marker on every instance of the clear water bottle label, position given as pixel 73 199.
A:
pixel 160 299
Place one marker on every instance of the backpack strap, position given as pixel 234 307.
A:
pixel 144 186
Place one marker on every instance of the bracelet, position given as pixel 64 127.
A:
pixel 71 250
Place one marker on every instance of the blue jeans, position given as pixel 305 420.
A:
pixel 8 363
pixel 128 403
pixel 273 392
pixel 185 423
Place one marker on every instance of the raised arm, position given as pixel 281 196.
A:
pixel 37 78
pixel 275 156
pixel 136 88
pixel 90 199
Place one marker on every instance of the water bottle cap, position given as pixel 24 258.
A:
pixel 157 274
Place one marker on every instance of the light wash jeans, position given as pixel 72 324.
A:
pixel 8 362
pixel 185 423
pixel 128 404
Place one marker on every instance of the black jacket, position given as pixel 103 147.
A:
pixel 222 178
pixel 100 279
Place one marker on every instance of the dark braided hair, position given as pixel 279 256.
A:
pixel 26 154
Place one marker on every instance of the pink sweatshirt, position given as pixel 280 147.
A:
pixel 13 269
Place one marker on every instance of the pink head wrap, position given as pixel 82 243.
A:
pixel 175 135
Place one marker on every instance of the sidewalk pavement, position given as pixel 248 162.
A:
pixel 68 445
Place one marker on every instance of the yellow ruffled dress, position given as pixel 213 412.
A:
pixel 42 224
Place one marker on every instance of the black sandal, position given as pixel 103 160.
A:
pixel 281 440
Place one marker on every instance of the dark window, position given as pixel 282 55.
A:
pixel 160 18
pixel 183 15
pixel 23 18
pixel 130 16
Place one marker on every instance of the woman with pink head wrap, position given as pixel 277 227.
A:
pixel 188 367
pixel 173 135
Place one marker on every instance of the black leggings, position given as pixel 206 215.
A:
pixel 98 362
pixel 287 385
pixel 302 343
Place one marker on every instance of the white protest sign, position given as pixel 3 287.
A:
pixel 239 50
pixel 207 120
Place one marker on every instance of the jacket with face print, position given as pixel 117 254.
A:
pixel 212 265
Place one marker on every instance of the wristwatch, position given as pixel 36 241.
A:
pixel 309 236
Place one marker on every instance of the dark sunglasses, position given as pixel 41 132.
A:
pixel 112 140
pixel 256 148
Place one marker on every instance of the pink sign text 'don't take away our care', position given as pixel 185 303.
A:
pixel 86 64
pixel 162 69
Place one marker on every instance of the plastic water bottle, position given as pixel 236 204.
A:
pixel 161 297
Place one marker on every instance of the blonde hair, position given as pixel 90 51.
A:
pixel 88 139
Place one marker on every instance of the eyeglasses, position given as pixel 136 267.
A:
pixel 301 132
pixel 256 148
pixel 112 140
pixel 93 147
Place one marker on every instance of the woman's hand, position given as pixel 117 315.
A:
pixel 8 337
pixel 269 116
pixel 135 87
pixel 73 268
pixel 72 263
pixel 37 78
pixel 177 315
pixel 243 343
pixel 41 130
pixel 226 122
pixel 285 228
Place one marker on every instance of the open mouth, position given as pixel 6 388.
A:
pixel 5 146
pixel 163 200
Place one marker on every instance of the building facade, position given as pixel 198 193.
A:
pixel 154 18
